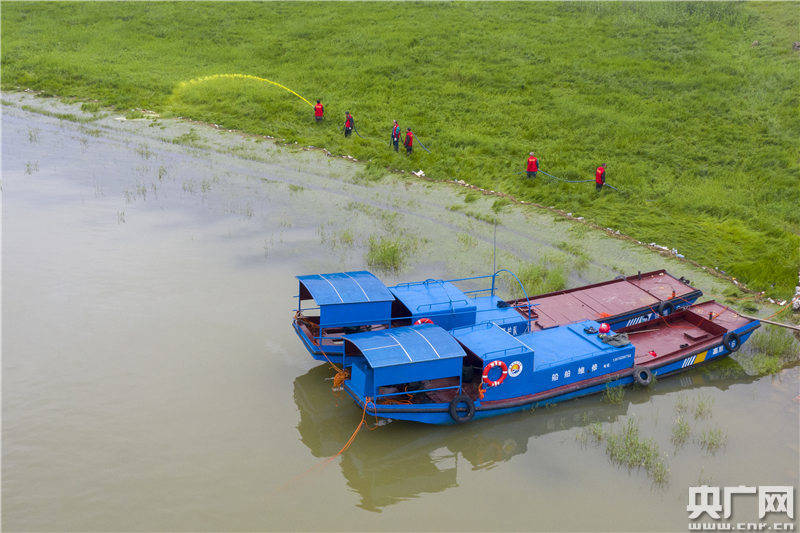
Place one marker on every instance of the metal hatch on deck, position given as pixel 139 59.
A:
pixel 440 301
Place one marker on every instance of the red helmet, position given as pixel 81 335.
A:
pixel 604 328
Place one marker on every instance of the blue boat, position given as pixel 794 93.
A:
pixel 352 302
pixel 472 358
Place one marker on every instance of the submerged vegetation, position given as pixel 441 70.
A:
pixel 614 395
pixel 680 432
pixel 707 164
pixel 770 348
pixel 386 253
pixel 626 447
pixel 711 440
pixel 702 408
pixel 629 449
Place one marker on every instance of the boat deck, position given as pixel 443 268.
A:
pixel 683 332
pixel 720 314
pixel 669 336
pixel 603 300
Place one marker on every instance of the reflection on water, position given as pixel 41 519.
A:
pixel 403 460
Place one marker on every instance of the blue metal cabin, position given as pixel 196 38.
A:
pixel 383 361
pixel 347 302
pixel 544 359
pixel 350 302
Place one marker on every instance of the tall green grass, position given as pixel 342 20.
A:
pixel 698 127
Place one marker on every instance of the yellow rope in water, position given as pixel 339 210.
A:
pixel 204 79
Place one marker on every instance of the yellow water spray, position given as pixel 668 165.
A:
pixel 204 79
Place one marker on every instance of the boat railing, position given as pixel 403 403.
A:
pixel 430 306
pixel 487 324
pixel 510 319
pixel 522 286
pixel 504 351
pixel 428 281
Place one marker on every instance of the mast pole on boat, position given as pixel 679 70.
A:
pixel 494 254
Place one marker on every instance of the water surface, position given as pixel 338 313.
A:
pixel 151 380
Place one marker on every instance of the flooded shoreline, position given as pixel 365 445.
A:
pixel 151 379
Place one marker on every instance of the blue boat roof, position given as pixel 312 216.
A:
pixel 411 344
pixel 431 296
pixel 344 288
pixel 488 340
pixel 488 311
pixel 556 346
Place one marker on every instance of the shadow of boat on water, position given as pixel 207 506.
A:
pixel 402 461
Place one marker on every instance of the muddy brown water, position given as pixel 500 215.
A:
pixel 151 380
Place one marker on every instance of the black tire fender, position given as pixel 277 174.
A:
pixel 665 308
pixel 731 341
pixel 642 375
pixel 455 412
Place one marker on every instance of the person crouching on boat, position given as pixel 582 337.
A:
pixel 600 177
pixel 349 124
pixel 533 166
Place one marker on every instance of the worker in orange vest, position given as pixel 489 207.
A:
pixel 600 177
pixel 319 112
pixel 349 124
pixel 533 166
pixel 408 142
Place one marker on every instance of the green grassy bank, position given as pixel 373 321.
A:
pixel 698 127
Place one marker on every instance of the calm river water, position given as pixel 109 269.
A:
pixel 151 379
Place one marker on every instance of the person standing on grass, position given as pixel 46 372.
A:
pixel 396 136
pixel 319 111
pixel 600 177
pixel 349 124
pixel 408 142
pixel 533 166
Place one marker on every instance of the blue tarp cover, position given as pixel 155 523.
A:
pixel 490 341
pixel 412 344
pixel 345 288
pixel 431 296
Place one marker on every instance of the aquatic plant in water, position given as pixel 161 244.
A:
pixel 628 448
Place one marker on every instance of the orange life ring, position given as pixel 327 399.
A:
pixel 423 321
pixel 503 374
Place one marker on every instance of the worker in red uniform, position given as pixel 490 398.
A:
pixel 408 142
pixel 533 166
pixel 396 136
pixel 600 177
pixel 349 124
pixel 319 111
